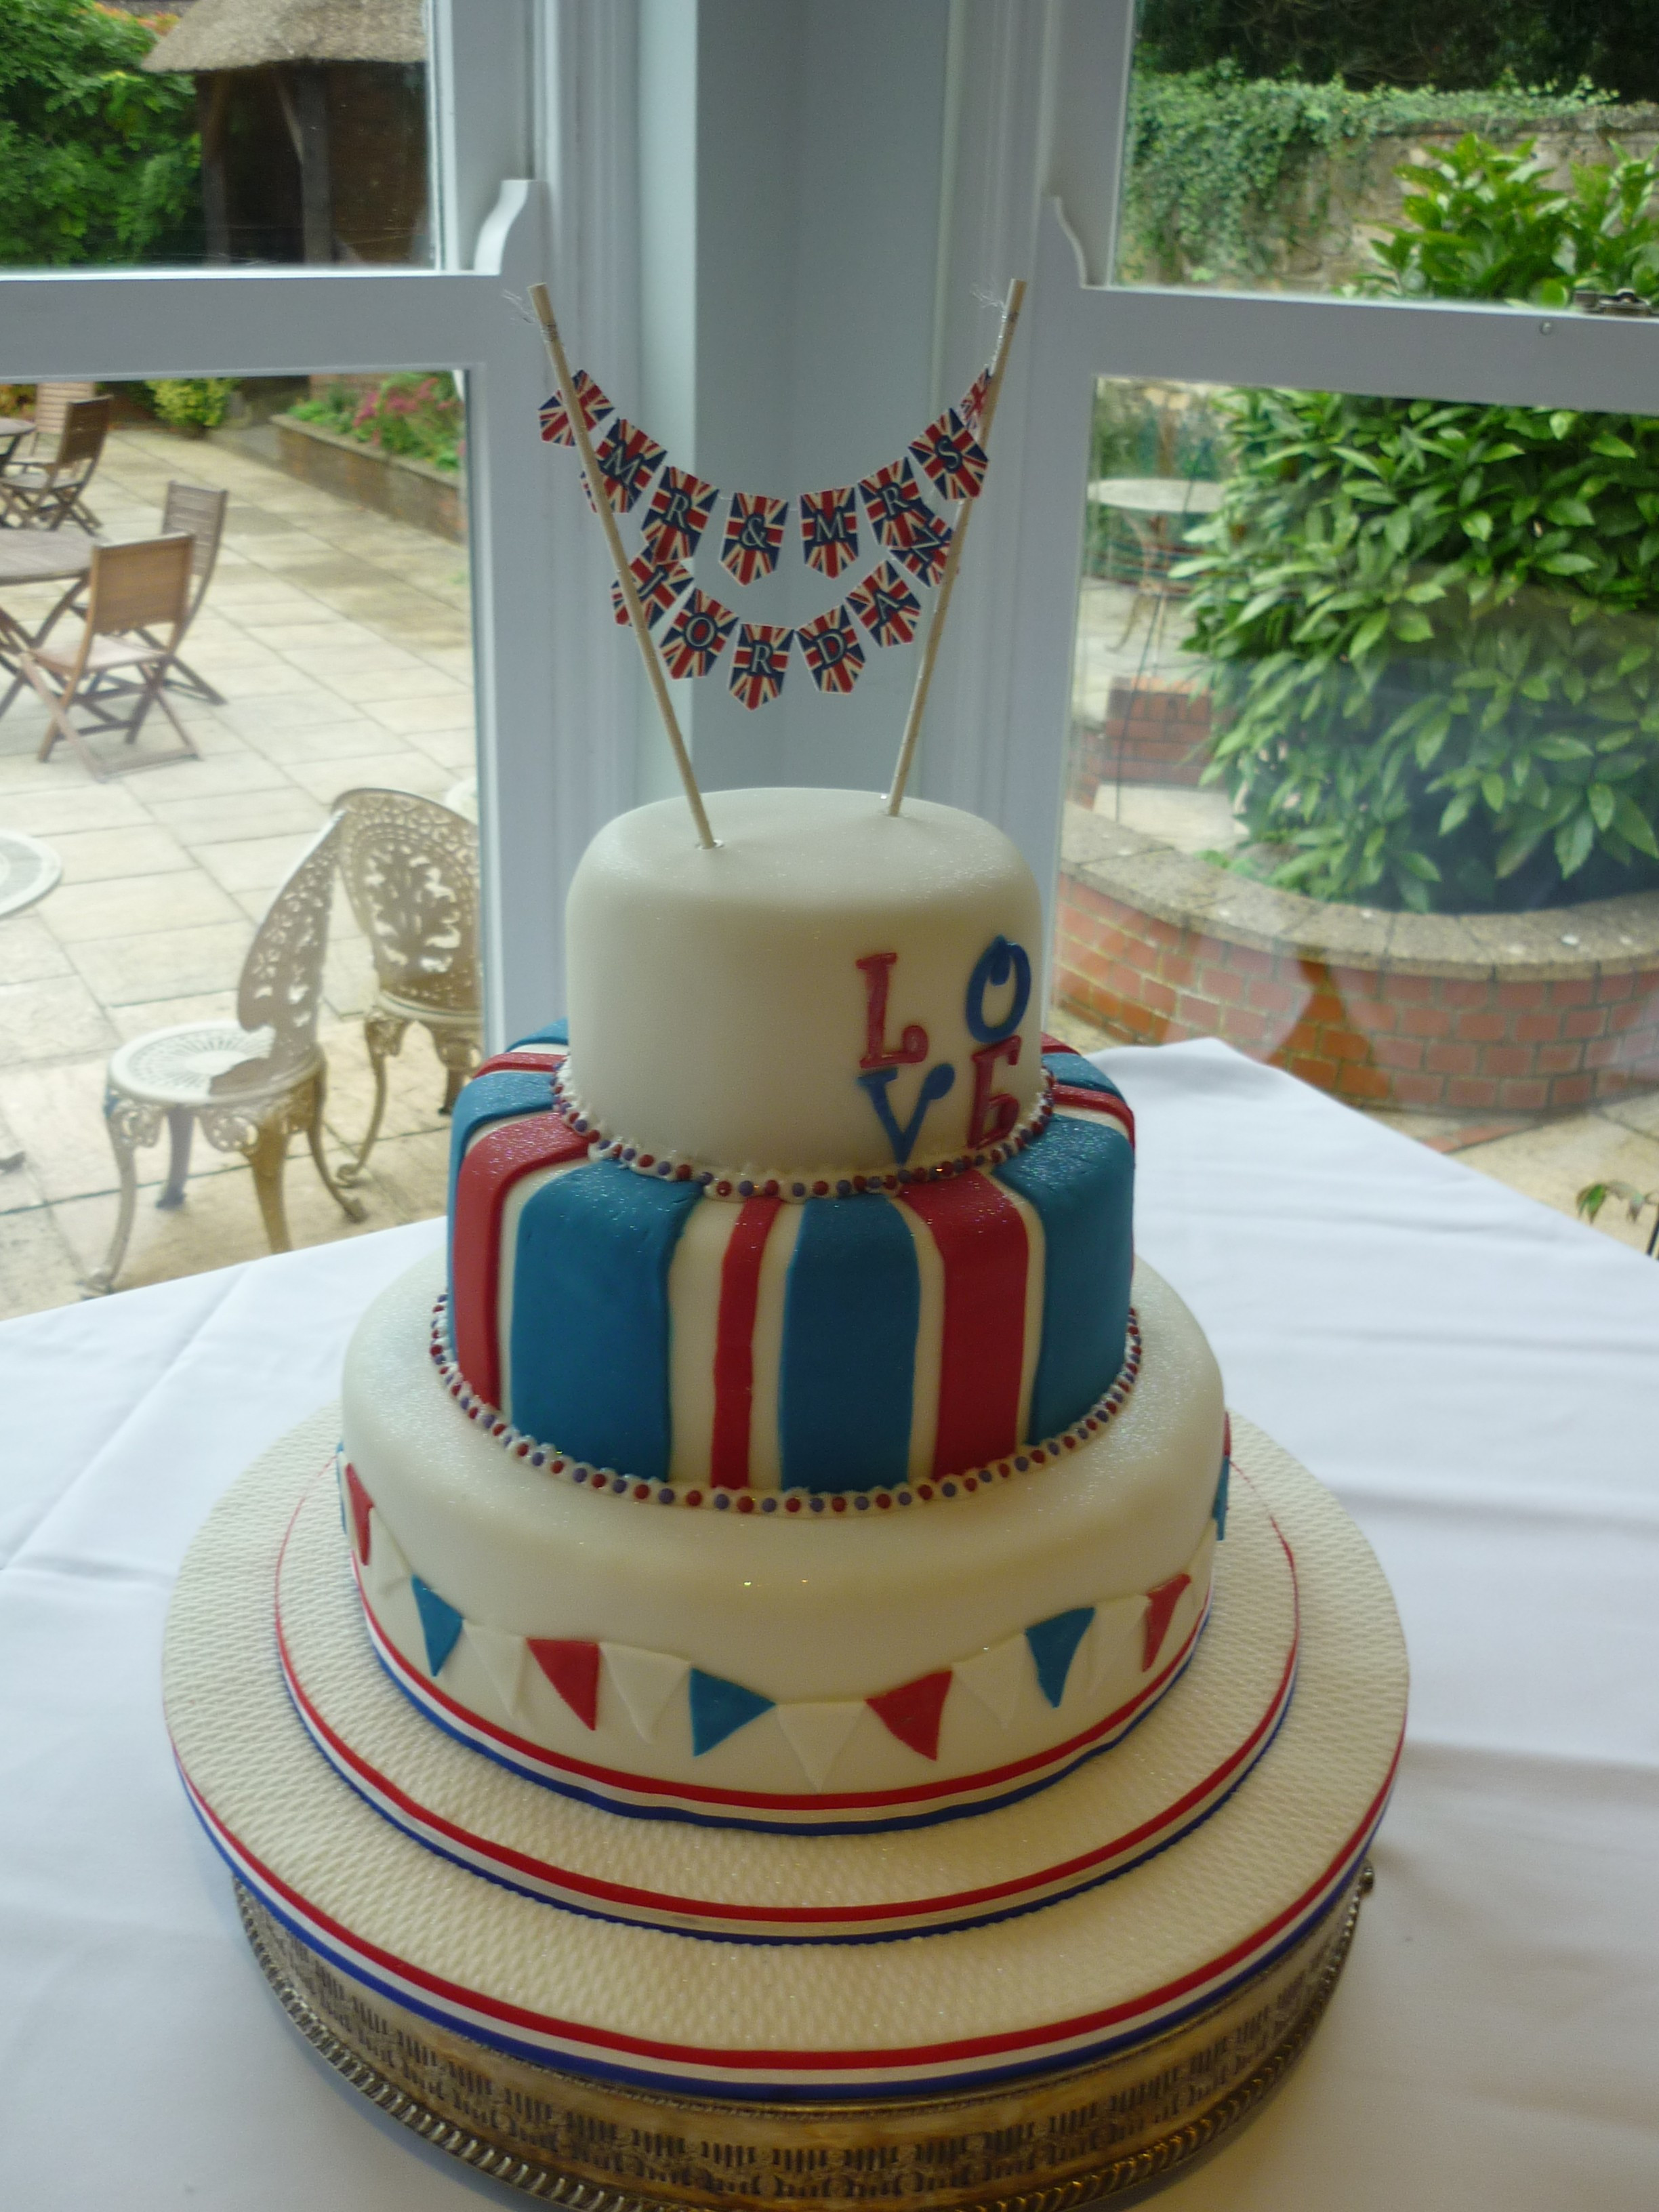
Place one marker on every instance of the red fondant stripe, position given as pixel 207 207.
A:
pixel 734 1343
pixel 982 1240
pixel 533 1060
pixel 492 1166
pixel 1097 1102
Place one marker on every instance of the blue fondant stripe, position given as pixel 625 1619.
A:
pixel 1053 1646
pixel 440 1625
pixel 555 1033
pixel 590 1315
pixel 719 1709
pixel 1082 1074
pixel 852 1308
pixel 1218 1510
pixel 488 1099
pixel 1080 1177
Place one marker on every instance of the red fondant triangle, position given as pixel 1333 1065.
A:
pixel 1160 1611
pixel 913 1710
pixel 1056 1045
pixel 574 1670
pixel 361 1506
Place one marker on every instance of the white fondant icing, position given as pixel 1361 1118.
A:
pixel 387 1570
pixel 504 1657
pixel 645 1682
pixel 997 1675
pixel 717 1009
pixel 817 1735
pixel 816 1611
pixel 1113 1632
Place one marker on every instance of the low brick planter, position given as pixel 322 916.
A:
pixel 1152 733
pixel 414 491
pixel 1520 1013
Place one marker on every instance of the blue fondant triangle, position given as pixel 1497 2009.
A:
pixel 555 1033
pixel 1218 1510
pixel 1053 1646
pixel 719 1709
pixel 440 1625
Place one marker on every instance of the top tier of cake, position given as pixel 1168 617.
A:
pixel 714 994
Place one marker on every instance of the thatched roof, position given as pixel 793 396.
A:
pixel 234 35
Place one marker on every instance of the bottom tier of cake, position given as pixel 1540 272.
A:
pixel 1081 2046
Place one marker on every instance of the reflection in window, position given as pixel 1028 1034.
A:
pixel 240 133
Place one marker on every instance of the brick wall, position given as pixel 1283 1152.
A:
pixel 1152 733
pixel 1471 1012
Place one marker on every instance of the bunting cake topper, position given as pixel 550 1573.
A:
pixel 904 505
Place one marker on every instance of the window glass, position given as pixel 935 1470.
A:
pixel 329 651
pixel 132 135
pixel 1365 777
pixel 1266 143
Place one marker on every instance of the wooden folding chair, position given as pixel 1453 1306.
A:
pixel 49 490
pixel 134 593
pixel 199 511
pixel 51 404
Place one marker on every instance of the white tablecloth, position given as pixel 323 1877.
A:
pixel 1473 1375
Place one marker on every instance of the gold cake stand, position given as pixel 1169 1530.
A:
pixel 1122 2130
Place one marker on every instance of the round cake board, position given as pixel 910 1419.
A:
pixel 1092 2047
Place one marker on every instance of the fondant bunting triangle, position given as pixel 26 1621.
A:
pixel 645 1682
pixel 1114 1626
pixel 912 1711
pixel 440 1625
pixel 572 1669
pixel 1160 1611
pixel 719 1709
pixel 994 1676
pixel 501 1655
pixel 387 1570
pixel 817 1735
pixel 1053 1646
pixel 361 1506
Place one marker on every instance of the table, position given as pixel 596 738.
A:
pixel 14 428
pixel 38 557
pixel 1473 1374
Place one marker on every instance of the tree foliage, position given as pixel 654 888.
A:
pixel 98 161
pixel 1432 626
pixel 1456 44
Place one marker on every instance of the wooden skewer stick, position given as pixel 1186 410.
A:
pixel 626 585
pixel 953 558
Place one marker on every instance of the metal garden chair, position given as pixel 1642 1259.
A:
pixel 251 1084
pixel 411 870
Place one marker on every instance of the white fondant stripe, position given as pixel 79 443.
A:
pixel 761 2074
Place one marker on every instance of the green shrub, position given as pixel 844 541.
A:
pixel 184 401
pixel 98 161
pixel 1431 627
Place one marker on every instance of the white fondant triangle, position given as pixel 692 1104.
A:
pixel 645 1682
pixel 387 1570
pixel 1199 1565
pixel 816 1735
pixel 1110 1632
pixel 502 1656
pixel 995 1676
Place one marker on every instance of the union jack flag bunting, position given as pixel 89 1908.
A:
pixel 628 460
pixel 556 423
pixel 972 410
pixel 952 457
pixel 886 606
pixel 831 650
pixel 925 558
pixel 678 514
pixel 754 538
pixel 830 529
pixel 760 660
pixel 898 513
pixel 697 637
pixel 659 583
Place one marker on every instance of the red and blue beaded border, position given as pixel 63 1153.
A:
pixel 792 1189
pixel 606 1480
